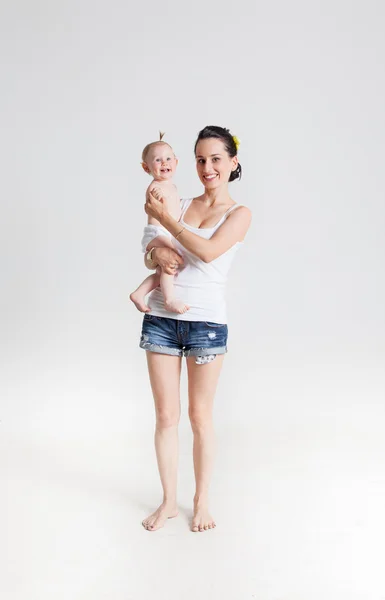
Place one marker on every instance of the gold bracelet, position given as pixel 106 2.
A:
pixel 181 231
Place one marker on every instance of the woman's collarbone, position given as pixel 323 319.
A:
pixel 202 219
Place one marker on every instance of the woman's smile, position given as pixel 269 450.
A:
pixel 213 162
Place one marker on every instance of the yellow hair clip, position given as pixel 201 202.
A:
pixel 236 142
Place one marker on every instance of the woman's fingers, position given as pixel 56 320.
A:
pixel 167 258
pixel 153 207
pixel 155 196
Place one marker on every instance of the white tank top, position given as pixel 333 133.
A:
pixel 200 285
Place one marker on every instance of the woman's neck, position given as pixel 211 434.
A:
pixel 215 197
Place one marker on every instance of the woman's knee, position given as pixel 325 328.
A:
pixel 200 420
pixel 167 418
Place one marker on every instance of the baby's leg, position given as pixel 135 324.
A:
pixel 167 287
pixel 150 283
pixel 167 282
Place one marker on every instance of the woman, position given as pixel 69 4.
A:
pixel 208 233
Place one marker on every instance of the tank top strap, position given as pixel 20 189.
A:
pixel 231 209
pixel 228 211
pixel 184 204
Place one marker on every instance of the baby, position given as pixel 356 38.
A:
pixel 159 161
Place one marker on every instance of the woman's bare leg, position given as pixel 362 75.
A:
pixel 164 371
pixel 202 384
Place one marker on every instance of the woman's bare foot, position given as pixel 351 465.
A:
pixel 160 516
pixel 176 306
pixel 138 300
pixel 202 520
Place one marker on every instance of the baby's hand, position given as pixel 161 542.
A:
pixel 157 193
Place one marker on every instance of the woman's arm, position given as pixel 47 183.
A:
pixel 232 231
pixel 166 258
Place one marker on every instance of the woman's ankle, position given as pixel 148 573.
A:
pixel 201 498
pixel 169 501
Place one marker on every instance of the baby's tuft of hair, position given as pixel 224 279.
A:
pixel 153 144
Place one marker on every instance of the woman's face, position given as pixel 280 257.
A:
pixel 214 165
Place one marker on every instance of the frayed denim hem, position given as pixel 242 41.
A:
pixel 205 351
pixel 179 352
pixel 161 349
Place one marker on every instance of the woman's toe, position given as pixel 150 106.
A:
pixel 149 523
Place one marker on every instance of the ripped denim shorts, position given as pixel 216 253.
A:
pixel 201 339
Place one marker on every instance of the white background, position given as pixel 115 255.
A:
pixel 299 486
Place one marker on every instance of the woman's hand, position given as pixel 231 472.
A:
pixel 156 204
pixel 168 259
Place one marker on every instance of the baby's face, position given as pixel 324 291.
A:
pixel 161 162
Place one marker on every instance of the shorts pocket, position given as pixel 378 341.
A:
pixel 214 325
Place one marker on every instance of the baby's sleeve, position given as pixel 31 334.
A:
pixel 150 232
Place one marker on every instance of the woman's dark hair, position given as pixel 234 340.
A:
pixel 223 134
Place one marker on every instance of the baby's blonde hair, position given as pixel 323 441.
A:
pixel 153 144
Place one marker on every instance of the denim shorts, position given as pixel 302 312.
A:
pixel 183 338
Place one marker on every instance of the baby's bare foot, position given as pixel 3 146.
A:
pixel 176 306
pixel 138 300
pixel 202 519
pixel 160 516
